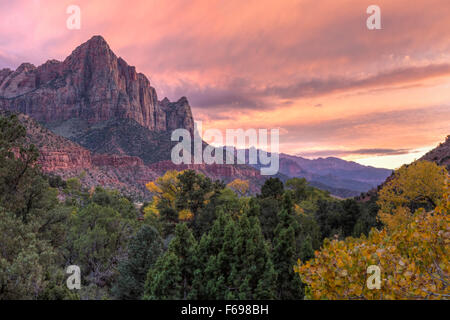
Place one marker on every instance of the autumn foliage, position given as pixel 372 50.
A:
pixel 411 249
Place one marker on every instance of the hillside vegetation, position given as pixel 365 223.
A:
pixel 203 239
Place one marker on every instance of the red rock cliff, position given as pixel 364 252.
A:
pixel 91 84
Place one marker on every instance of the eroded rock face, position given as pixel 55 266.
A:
pixel 65 158
pixel 226 172
pixel 91 84
pixel 116 160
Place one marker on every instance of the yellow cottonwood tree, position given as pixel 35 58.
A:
pixel 419 184
pixel 411 252
pixel 163 188
pixel 239 186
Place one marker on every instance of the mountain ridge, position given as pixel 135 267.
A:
pixel 96 100
pixel 91 84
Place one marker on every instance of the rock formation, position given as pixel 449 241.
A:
pixel 91 84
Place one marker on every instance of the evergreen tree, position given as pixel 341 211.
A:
pixel 285 255
pixel 238 263
pixel 23 190
pixel 143 251
pixel 208 248
pixel 256 270
pixel 272 188
pixel 350 214
pixel 193 188
pixel 268 216
pixel 174 281
pixel 205 217
pixel 164 280
pixel 32 224
pixel 96 241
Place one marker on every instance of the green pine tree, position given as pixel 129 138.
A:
pixel 173 274
pixel 285 255
pixel 143 251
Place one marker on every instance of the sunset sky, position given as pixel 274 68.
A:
pixel 310 68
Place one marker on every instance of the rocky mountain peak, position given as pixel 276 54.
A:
pixel 92 85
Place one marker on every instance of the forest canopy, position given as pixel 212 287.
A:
pixel 204 239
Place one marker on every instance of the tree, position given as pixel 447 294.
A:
pixel 97 241
pixel 285 253
pixel 368 218
pixel 24 259
pixel 23 190
pixel 164 190
pixel 164 281
pixel 143 251
pixel 418 185
pixel 181 196
pixel 234 261
pixel 32 224
pixel 412 257
pixel 411 252
pixel 257 275
pixel 350 214
pixel 209 246
pixel 308 237
pixel 268 217
pixel 299 186
pixel 172 276
pixel 241 187
pixel 272 188
pixel 328 216
pixel 194 191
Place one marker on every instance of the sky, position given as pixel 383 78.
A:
pixel 310 68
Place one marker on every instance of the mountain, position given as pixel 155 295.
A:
pixel 340 177
pixel 60 156
pixel 89 94
pixel 93 116
pixel 128 174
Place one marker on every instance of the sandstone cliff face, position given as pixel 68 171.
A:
pixel 91 84
pixel 64 159
pixel 222 171
pixel 116 160
pixel 67 159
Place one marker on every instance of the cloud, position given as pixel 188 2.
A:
pixel 243 61
pixel 342 153
pixel 242 94
pixel 394 77
pixel 417 126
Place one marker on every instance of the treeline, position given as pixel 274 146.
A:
pixel 196 239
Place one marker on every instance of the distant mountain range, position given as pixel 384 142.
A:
pixel 339 177
pixel 92 115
